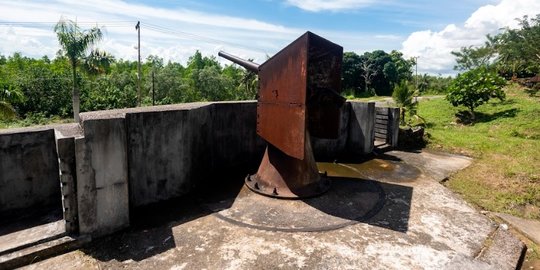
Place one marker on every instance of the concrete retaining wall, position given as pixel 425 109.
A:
pixel 172 151
pixel 102 177
pixel 361 128
pixel 28 170
pixel 135 157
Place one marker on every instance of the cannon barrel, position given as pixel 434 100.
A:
pixel 254 67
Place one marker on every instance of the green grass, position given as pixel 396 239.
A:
pixel 505 143
pixel 33 120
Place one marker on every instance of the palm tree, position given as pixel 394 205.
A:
pixel 404 97
pixel 6 110
pixel 8 95
pixel 75 43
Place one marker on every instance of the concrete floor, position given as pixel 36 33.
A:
pixel 17 233
pixel 386 213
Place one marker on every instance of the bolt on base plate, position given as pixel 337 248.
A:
pixel 312 190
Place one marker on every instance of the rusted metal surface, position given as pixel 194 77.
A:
pixel 298 88
pixel 324 84
pixel 281 111
pixel 283 176
pixel 251 66
pixel 298 95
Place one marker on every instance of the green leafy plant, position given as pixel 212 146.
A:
pixel 474 88
pixel 404 95
pixel 8 95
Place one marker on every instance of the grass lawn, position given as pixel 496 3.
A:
pixel 33 121
pixel 505 145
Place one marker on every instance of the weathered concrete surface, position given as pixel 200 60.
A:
pixel 102 180
pixel 186 145
pixel 349 201
pixel 361 127
pixel 41 251
pixel 332 148
pixel 435 165
pixel 28 170
pixel 503 245
pixel 161 145
pixel 530 228
pixel 422 225
pixel 67 130
pixel 65 148
pixel 31 235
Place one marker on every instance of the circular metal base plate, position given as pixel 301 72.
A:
pixel 348 201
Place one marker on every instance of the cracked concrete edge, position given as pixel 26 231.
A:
pixel 43 251
pixel 503 250
pixel 527 227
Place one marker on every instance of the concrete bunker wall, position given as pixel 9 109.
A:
pixel 172 151
pixel 28 170
pixel 135 157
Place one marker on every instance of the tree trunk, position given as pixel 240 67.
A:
pixel 402 120
pixel 75 94
pixel 473 115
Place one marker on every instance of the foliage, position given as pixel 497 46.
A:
pixel 429 84
pixel 474 57
pixel 374 72
pixel 75 43
pixel 518 49
pixel 474 88
pixel 504 142
pixel 404 95
pixel 43 85
pixel 8 95
pixel 512 53
pixel 351 70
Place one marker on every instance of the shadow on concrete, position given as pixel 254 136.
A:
pixel 389 208
pixel 395 213
pixel 28 218
pixel 150 232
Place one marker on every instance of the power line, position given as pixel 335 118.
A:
pixel 150 26
pixel 197 37
pixel 78 23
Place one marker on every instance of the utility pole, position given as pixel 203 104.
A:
pixel 153 91
pixel 416 72
pixel 138 27
pixel 416 78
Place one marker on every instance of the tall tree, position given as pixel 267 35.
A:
pixel 471 57
pixel 369 71
pixel 351 71
pixel 76 43
pixel 519 53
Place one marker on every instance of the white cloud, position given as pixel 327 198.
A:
pixel 434 47
pixel 331 5
pixel 245 37
pixel 171 40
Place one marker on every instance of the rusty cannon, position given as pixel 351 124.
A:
pixel 298 96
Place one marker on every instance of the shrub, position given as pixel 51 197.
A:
pixel 474 88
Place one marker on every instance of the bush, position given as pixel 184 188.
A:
pixel 403 95
pixel 474 88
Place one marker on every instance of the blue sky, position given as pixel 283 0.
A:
pixel 254 29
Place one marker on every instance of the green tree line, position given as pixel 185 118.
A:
pixel 513 53
pixel 44 87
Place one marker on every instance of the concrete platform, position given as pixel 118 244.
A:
pixel 529 228
pixel 419 225
pixel 33 236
